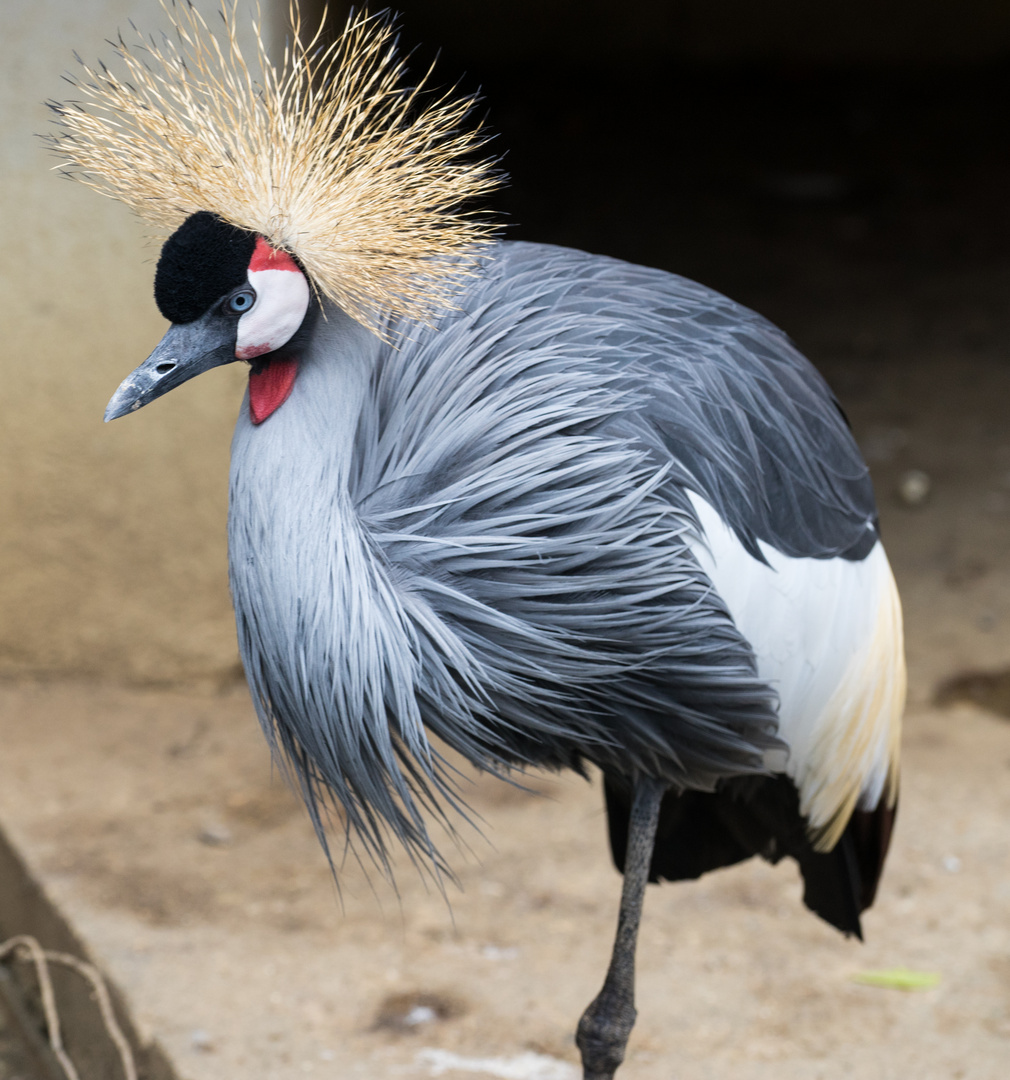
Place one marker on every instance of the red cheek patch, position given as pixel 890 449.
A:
pixel 270 388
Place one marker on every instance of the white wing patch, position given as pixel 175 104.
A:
pixel 827 635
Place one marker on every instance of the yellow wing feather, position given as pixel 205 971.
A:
pixel 861 720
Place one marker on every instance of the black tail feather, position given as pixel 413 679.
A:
pixel 701 831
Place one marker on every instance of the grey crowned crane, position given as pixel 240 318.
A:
pixel 552 508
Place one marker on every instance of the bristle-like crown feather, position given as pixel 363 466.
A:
pixel 330 156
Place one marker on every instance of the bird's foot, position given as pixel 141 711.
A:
pixel 603 1032
pixel 605 1026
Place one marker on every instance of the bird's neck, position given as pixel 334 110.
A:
pixel 322 633
pixel 309 439
pixel 289 500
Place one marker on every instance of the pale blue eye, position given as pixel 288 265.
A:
pixel 242 301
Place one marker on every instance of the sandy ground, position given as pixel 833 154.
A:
pixel 155 824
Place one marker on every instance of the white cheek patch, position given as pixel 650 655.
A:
pixel 282 298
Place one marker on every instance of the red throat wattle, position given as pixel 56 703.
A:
pixel 270 387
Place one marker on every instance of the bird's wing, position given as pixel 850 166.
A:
pixel 786 521
pixel 535 475
pixel 827 634
pixel 744 419
pixel 535 544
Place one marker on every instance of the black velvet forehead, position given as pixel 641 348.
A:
pixel 201 261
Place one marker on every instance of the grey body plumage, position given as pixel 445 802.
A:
pixel 485 533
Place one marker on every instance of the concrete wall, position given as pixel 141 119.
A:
pixel 112 538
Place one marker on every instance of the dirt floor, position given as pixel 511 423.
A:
pixel 155 825
pixel 155 822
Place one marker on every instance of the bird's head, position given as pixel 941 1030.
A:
pixel 323 178
pixel 229 296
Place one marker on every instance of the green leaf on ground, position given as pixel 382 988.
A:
pixel 898 979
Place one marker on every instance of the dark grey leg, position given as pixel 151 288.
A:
pixel 605 1026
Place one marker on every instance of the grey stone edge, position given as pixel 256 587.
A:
pixel 26 909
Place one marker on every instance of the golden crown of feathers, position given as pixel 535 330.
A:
pixel 330 157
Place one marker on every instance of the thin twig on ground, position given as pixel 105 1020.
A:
pixel 25 948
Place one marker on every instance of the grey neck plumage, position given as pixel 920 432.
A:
pixel 321 633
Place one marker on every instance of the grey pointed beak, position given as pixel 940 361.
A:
pixel 186 350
